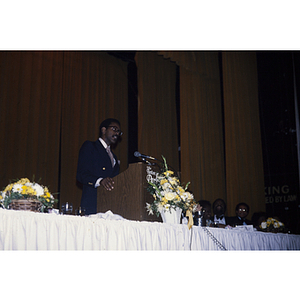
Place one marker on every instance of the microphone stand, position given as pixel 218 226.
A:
pixel 153 164
pixel 160 161
pixel 147 162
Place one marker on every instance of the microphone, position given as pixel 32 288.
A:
pixel 138 154
pixel 144 157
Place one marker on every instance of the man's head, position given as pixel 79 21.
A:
pixel 110 130
pixel 206 208
pixel 219 207
pixel 242 210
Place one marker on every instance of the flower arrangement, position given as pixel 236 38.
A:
pixel 24 189
pixel 272 225
pixel 168 193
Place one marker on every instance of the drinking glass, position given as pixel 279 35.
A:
pixel 80 211
pixel 216 223
pixel 66 208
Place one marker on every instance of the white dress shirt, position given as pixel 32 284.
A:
pixel 220 221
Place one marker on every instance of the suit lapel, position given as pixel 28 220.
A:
pixel 104 154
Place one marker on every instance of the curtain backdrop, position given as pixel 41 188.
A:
pixel 244 163
pixel 95 88
pixel 51 102
pixel 157 118
pixel 30 114
pixel 219 165
pixel 202 147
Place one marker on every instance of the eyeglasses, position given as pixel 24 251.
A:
pixel 243 209
pixel 116 129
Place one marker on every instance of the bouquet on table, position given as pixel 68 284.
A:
pixel 24 189
pixel 169 194
pixel 272 225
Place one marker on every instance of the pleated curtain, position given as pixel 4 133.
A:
pixel 51 102
pixel 243 147
pixel 221 151
pixel 157 115
pixel 95 88
pixel 30 116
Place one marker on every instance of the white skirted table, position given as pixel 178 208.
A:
pixel 25 230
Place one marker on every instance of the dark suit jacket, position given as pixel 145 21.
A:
pixel 93 163
pixel 232 221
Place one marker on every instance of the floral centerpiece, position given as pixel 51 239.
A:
pixel 272 225
pixel 169 194
pixel 24 189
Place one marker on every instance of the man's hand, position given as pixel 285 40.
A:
pixel 107 183
pixel 197 208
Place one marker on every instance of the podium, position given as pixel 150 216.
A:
pixel 129 196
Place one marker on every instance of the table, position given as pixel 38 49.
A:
pixel 25 230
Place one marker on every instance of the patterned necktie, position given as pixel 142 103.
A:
pixel 110 156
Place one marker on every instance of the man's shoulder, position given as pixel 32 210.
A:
pixel 231 220
pixel 248 222
pixel 92 145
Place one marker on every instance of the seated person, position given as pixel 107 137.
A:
pixel 204 213
pixel 219 209
pixel 241 211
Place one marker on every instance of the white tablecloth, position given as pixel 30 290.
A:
pixel 24 230
pixel 233 239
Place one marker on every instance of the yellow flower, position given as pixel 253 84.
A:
pixel 9 187
pixel 181 189
pixel 177 198
pixel 28 190
pixel 168 173
pixel 163 181
pixel 164 201
pixel 173 181
pixel 190 196
pixel 23 181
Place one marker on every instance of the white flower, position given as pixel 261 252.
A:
pixel 263 225
pixel 166 186
pixel 173 182
pixel 149 208
pixel 186 196
pixel 276 225
pixel 17 188
pixel 167 206
pixel 39 190
pixel 161 207
pixel 170 196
